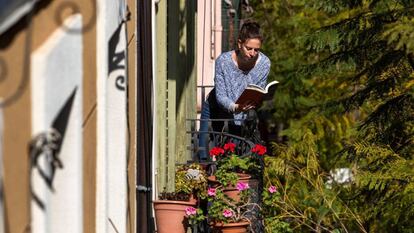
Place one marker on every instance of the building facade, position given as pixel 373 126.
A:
pixel 94 101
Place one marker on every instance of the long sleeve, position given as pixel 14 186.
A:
pixel 220 85
pixel 230 81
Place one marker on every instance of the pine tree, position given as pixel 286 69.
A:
pixel 346 99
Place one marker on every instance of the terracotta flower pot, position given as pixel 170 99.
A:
pixel 242 177
pixel 193 199
pixel 230 190
pixel 237 227
pixel 170 216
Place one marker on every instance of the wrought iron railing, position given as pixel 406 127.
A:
pixel 203 91
pixel 215 138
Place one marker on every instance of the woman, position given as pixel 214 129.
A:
pixel 234 70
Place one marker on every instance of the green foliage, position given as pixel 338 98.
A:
pixel 227 168
pixel 218 205
pixel 274 225
pixel 229 164
pixel 191 179
pixel 195 218
pixel 304 198
pixel 226 178
pixel 223 209
pixel 345 100
pixel 224 206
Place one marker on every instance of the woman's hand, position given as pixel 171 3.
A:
pixel 243 108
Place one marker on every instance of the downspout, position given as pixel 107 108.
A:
pixel 154 101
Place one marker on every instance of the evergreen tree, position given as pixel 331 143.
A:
pixel 346 99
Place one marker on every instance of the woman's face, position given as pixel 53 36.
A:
pixel 250 48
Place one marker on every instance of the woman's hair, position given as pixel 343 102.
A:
pixel 250 30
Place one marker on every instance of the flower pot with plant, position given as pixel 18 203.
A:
pixel 233 168
pixel 228 215
pixel 173 208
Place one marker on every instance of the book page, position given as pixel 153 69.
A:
pixel 260 89
pixel 256 88
pixel 270 84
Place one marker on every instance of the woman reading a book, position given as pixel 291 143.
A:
pixel 234 70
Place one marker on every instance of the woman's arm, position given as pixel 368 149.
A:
pixel 221 89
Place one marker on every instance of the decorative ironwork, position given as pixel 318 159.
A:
pixel 74 7
pixel 8 100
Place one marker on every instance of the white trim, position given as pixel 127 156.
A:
pixel 101 143
pixel 111 170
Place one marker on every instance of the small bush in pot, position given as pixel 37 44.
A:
pixel 174 210
pixel 191 179
pixel 230 165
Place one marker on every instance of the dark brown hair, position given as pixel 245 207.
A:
pixel 250 30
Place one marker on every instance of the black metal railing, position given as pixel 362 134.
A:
pixel 214 138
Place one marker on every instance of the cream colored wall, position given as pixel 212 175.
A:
pixel 209 35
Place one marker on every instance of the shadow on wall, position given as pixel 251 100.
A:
pixel 181 57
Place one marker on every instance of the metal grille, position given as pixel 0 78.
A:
pixel 231 17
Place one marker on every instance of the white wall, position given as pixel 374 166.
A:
pixel 112 138
pixel 56 75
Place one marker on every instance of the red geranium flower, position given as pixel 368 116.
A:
pixel 215 151
pixel 259 149
pixel 229 146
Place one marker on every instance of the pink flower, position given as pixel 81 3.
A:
pixel 229 147
pixel 272 189
pixel 227 213
pixel 259 149
pixel 242 186
pixel 190 211
pixel 211 192
pixel 215 151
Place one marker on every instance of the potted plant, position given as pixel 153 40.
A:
pixel 194 217
pixel 228 215
pixel 232 168
pixel 191 179
pixel 172 207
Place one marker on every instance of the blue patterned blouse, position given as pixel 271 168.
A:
pixel 230 81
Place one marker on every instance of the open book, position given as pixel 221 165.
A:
pixel 256 94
